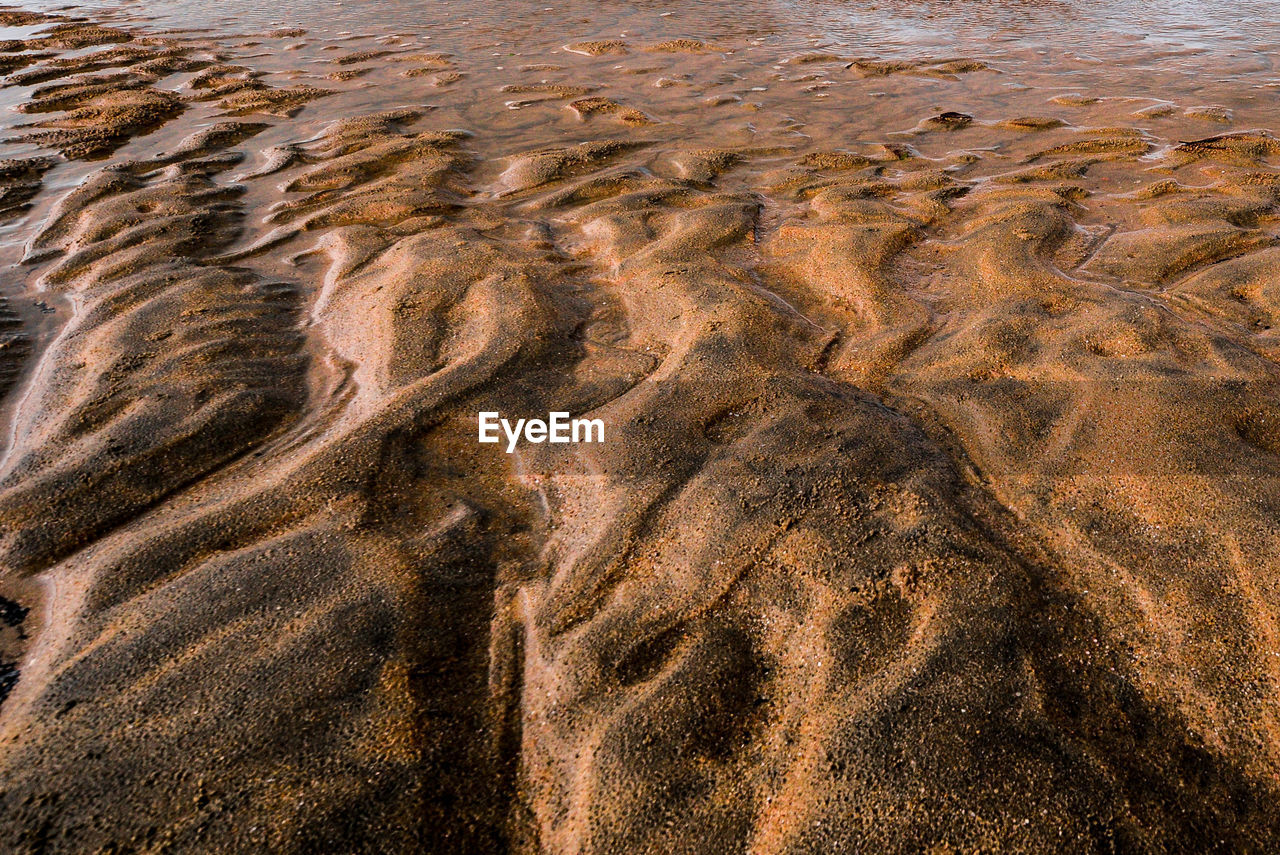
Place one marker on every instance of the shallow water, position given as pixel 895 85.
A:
pixel 880 27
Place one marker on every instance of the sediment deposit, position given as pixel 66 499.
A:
pixel 936 512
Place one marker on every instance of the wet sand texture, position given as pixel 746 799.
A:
pixel 936 512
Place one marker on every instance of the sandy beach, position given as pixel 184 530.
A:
pixel 934 355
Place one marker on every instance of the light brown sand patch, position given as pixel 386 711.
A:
pixel 682 46
pixel 588 107
pixel 1209 113
pixel 599 48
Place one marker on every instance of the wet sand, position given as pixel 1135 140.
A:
pixel 937 507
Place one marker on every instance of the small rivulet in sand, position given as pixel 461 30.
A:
pixel 935 508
